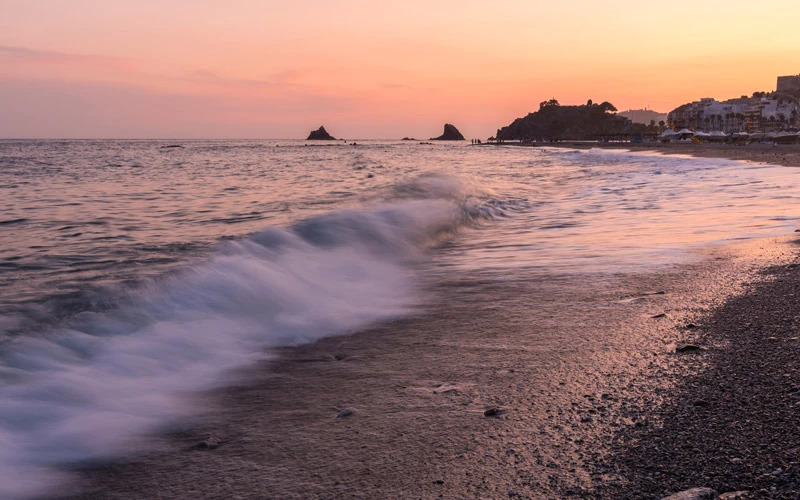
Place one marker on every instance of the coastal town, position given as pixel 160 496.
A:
pixel 761 118
pixel 771 116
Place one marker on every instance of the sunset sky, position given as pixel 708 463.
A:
pixel 367 69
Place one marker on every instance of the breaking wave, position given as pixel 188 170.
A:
pixel 86 389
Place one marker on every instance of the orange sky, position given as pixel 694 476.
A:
pixel 264 69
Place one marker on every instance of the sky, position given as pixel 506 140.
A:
pixel 368 69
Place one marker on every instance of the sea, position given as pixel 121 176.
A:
pixel 134 273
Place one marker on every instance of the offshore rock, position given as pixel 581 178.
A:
pixel 451 133
pixel 320 135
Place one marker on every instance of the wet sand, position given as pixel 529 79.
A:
pixel 578 372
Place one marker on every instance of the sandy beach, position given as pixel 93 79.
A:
pixel 259 251
pixel 528 346
pixel 399 410
pixel 780 154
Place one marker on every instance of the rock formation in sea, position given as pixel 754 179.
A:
pixel 320 135
pixel 451 133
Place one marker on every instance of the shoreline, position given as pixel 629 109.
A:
pixel 619 415
pixel 418 388
pixel 787 155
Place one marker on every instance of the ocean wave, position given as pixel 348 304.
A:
pixel 92 387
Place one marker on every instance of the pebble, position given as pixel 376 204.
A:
pixel 447 388
pixel 694 494
pixel 492 412
pixel 735 495
pixel 345 413
pixel 211 443
pixel 689 348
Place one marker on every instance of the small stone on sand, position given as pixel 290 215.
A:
pixel 211 443
pixel 693 494
pixel 689 348
pixel 492 412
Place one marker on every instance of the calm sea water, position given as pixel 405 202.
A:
pixel 132 272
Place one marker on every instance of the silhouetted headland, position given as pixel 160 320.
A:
pixel 553 120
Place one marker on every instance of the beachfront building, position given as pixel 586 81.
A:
pixel 709 114
pixel 776 113
pixel 760 113
pixel 789 84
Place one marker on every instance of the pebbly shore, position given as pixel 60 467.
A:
pixel 732 426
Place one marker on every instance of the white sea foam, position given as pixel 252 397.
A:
pixel 85 390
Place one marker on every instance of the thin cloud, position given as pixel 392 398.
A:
pixel 26 55
pixel 206 76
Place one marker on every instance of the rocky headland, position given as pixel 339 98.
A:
pixel 554 121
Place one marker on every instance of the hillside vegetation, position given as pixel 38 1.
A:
pixel 554 121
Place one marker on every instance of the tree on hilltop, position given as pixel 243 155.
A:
pixel 608 107
pixel 547 104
